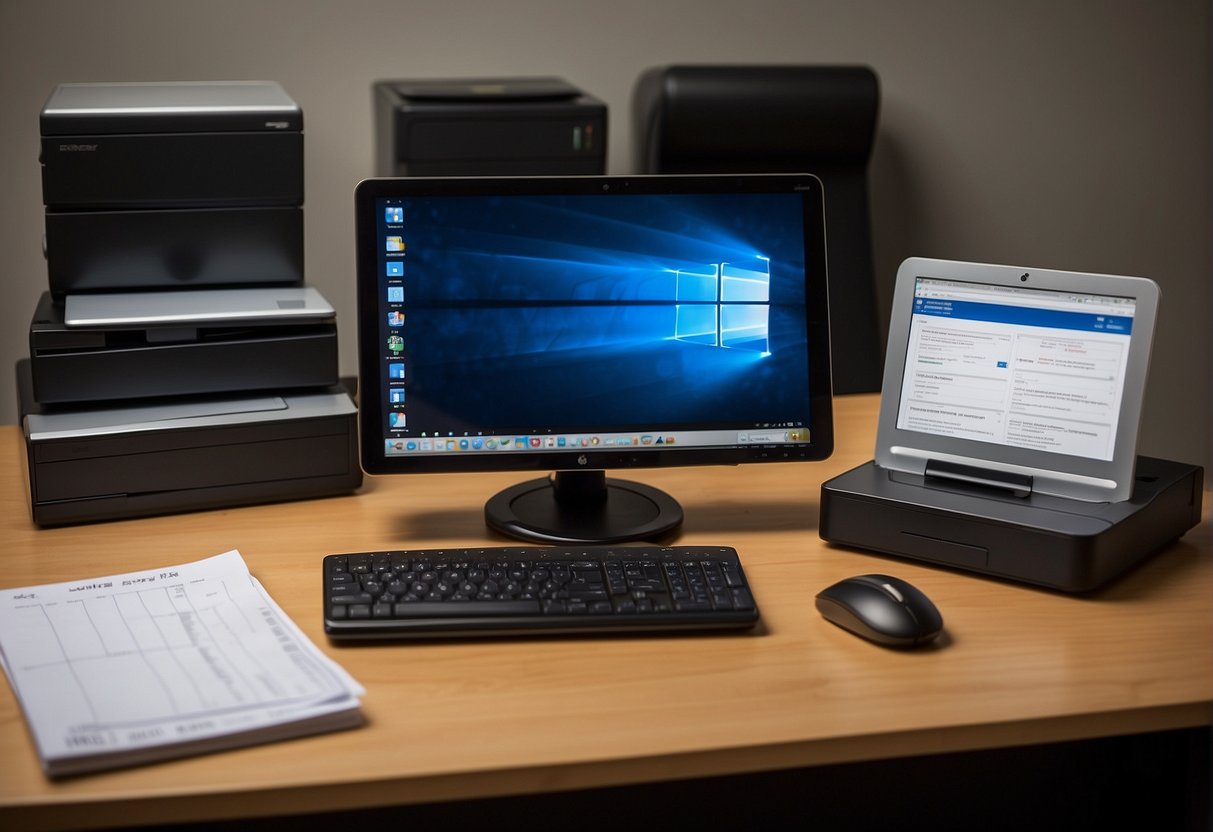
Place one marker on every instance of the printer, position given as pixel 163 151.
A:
pixel 130 345
pixel 139 458
pixel 488 127
pixel 172 185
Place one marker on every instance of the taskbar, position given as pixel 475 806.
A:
pixel 402 446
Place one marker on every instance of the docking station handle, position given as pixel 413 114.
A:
pixel 1018 485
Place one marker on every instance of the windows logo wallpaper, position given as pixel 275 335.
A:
pixel 620 311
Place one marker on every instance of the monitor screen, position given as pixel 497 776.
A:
pixel 587 324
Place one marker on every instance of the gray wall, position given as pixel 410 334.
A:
pixel 1070 135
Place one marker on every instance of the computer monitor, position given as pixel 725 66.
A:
pixel 579 325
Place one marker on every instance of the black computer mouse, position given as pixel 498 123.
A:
pixel 882 609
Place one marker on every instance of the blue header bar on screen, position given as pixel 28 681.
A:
pixel 1023 315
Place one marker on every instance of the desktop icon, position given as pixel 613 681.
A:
pixel 395 343
pixel 393 214
pixel 395 370
pixel 396 419
pixel 395 319
pixel 396 395
pixel 394 244
pixel 395 268
pixel 395 294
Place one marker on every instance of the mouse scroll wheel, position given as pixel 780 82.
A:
pixel 892 590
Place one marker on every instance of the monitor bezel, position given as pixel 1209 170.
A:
pixel 371 397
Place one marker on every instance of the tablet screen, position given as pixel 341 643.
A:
pixel 1029 368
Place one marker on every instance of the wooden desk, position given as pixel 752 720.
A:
pixel 469 719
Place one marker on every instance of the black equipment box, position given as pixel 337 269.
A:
pixel 104 363
pixel 171 145
pixel 182 248
pixel 1054 542
pixel 488 127
pixel 117 462
pixel 172 185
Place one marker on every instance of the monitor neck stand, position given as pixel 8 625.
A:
pixel 1005 482
pixel 582 507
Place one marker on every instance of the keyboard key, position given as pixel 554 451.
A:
pixel 452 609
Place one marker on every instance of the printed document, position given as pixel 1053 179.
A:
pixel 161 663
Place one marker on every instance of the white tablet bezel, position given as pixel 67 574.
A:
pixel 1063 475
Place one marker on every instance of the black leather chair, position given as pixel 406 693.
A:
pixel 782 119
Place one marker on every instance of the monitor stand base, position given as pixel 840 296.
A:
pixel 582 507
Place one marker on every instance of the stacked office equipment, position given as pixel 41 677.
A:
pixel 177 361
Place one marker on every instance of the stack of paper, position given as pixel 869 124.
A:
pixel 131 668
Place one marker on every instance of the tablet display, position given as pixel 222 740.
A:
pixel 1033 373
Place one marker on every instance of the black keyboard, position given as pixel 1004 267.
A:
pixel 428 593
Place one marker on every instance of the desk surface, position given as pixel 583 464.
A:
pixel 469 719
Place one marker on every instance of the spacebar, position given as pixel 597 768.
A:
pixel 464 609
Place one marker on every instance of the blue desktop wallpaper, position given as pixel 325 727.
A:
pixel 607 312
